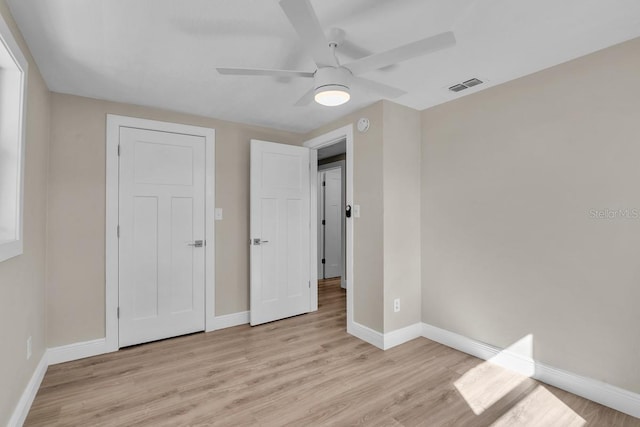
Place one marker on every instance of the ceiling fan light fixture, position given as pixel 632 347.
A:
pixel 332 95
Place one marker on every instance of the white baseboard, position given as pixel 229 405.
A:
pixel 366 334
pixel 79 350
pixel 498 356
pixel 605 394
pixel 24 404
pixel 230 320
pixel 67 353
pixel 597 391
pixel 401 336
pixel 210 323
pixel 459 342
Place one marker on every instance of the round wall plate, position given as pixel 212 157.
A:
pixel 363 124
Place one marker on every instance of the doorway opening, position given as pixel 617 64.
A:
pixel 332 158
pixel 331 212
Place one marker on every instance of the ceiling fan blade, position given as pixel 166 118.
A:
pixel 402 53
pixel 354 51
pixel 306 24
pixel 262 72
pixel 306 98
pixel 382 89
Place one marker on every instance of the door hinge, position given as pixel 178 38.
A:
pixel 309 283
pixel 324 183
pixel 323 260
pixel 118 150
pixel 118 231
pixel 323 222
pixel 118 312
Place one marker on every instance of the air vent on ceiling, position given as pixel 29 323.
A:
pixel 457 88
pixel 464 85
pixel 471 83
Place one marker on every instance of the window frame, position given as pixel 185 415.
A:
pixel 15 247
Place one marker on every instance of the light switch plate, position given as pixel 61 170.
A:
pixel 356 211
pixel 218 214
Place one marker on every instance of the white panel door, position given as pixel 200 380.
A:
pixel 280 236
pixel 333 223
pixel 161 216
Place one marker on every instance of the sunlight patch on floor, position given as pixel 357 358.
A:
pixel 537 408
pixel 524 402
pixel 487 383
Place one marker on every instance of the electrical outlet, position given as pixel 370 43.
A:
pixel 396 305
pixel 28 348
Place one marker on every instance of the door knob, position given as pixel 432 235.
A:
pixel 196 244
pixel 259 241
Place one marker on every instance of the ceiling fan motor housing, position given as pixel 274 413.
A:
pixel 329 78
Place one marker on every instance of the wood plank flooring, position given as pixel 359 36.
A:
pixel 302 371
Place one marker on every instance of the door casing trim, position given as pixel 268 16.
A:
pixel 114 123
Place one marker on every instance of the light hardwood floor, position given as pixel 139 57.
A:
pixel 301 371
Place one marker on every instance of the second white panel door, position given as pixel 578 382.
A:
pixel 280 236
pixel 162 231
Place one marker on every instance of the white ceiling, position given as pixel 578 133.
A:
pixel 163 53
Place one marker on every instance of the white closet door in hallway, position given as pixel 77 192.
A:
pixel 333 223
pixel 162 231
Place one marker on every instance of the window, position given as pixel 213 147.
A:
pixel 13 80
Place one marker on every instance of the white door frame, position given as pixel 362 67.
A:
pixel 114 123
pixel 315 144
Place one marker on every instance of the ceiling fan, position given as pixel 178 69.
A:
pixel 333 81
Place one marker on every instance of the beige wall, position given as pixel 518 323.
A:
pixel 22 278
pixel 368 235
pixel 401 188
pixel 509 178
pixel 75 285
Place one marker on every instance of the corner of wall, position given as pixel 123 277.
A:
pixel 401 228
